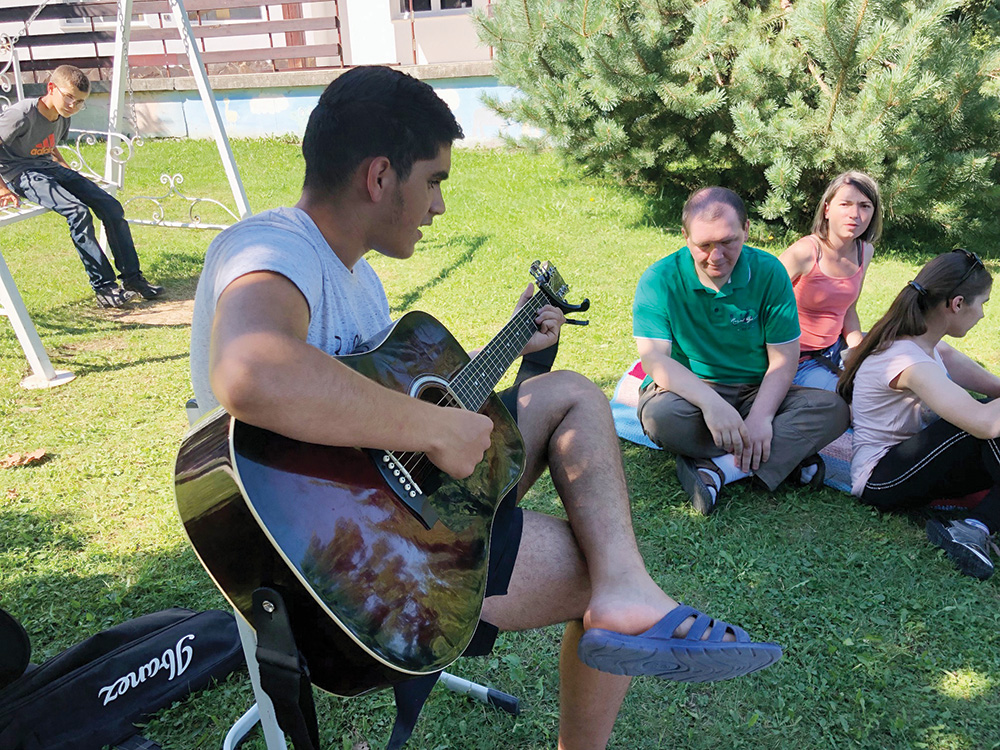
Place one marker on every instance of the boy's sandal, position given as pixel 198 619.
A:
pixel 689 475
pixel 689 659
pixel 816 482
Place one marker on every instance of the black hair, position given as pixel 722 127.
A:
pixel 949 275
pixel 705 201
pixel 372 111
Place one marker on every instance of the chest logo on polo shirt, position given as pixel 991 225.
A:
pixel 743 318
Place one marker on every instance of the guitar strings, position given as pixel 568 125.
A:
pixel 416 464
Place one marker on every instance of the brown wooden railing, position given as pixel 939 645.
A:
pixel 274 43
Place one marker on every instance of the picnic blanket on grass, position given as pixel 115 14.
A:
pixel 836 456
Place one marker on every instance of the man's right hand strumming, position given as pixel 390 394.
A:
pixel 460 440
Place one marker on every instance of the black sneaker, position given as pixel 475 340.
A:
pixel 968 546
pixel 702 481
pixel 113 295
pixel 139 284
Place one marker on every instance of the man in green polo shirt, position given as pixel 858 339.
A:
pixel 717 331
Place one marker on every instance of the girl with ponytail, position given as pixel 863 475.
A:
pixel 918 434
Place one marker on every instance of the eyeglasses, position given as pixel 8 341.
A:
pixel 71 101
pixel 974 262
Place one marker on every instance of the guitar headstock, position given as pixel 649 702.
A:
pixel 551 283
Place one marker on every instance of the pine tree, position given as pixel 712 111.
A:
pixel 772 98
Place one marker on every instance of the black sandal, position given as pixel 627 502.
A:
pixel 689 474
pixel 816 483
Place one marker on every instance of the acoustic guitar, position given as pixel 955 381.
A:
pixel 380 557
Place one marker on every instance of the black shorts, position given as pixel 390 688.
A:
pixel 504 543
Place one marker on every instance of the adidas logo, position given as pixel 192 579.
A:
pixel 47 146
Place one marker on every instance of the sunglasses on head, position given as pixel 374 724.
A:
pixel 974 262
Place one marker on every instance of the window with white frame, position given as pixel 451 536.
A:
pixel 432 6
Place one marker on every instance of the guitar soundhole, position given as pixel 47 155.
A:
pixel 426 473
pixel 435 394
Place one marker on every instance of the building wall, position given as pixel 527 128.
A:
pixel 437 37
pixel 249 110
pixel 366 26
pixel 447 52
pixel 372 32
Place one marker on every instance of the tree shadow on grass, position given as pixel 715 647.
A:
pixel 470 245
pixel 62 595
pixel 837 645
pixel 33 532
pixel 83 317
pixel 664 209
pixel 82 367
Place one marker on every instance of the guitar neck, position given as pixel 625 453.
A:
pixel 476 381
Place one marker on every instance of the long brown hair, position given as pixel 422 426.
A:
pixel 868 187
pixel 949 275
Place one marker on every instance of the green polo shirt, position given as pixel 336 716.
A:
pixel 720 336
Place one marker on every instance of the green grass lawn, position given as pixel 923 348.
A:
pixel 887 646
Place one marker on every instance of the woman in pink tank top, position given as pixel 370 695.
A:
pixel 827 268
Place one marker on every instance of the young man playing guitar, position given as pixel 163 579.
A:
pixel 284 290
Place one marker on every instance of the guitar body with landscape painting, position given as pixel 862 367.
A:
pixel 380 557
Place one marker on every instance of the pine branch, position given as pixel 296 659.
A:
pixel 715 69
pixel 814 70
pixel 842 78
pixel 902 88
pixel 635 47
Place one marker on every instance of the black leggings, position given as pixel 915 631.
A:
pixel 940 461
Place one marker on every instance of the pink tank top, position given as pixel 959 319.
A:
pixel 823 301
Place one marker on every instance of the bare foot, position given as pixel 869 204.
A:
pixel 632 605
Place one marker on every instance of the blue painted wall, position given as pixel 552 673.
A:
pixel 253 113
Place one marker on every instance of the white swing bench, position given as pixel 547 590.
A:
pixel 119 150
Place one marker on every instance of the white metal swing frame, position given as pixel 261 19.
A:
pixel 118 151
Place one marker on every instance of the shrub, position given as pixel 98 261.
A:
pixel 770 98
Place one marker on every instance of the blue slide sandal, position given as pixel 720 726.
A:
pixel 657 652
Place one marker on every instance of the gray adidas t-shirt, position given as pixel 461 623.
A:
pixel 27 139
pixel 346 307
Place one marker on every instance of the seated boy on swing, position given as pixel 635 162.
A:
pixel 32 168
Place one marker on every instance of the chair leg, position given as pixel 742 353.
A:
pixel 497 698
pixel 274 738
pixel 241 728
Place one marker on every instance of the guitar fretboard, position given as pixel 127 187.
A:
pixel 475 382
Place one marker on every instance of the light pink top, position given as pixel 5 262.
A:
pixel 884 416
pixel 823 301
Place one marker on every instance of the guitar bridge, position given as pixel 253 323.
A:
pixel 399 480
